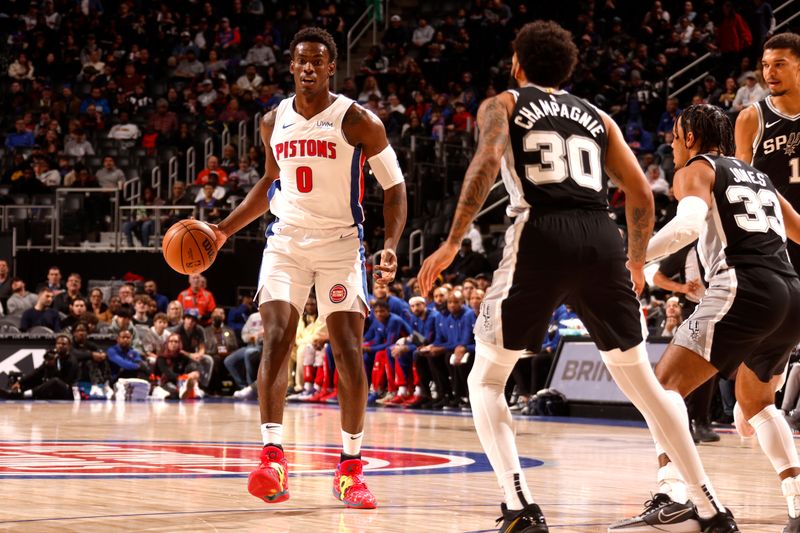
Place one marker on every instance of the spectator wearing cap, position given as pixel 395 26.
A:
pixel 207 95
pixel 21 137
pixel 709 91
pixel 212 165
pixel 260 55
pixel 396 35
pixel 185 46
pixel 193 341
pixel 228 38
pixel 750 93
pixel 198 298
pixel 250 81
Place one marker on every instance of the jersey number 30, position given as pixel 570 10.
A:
pixel 756 219
pixel 578 157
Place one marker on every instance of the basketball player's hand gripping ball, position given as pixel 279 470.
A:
pixel 190 246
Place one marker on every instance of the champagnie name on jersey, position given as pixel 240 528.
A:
pixel 528 115
pixel 305 148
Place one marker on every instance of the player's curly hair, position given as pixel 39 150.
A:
pixel 546 53
pixel 787 40
pixel 711 128
pixel 315 35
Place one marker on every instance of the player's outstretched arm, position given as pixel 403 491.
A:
pixel 744 133
pixel 481 174
pixel 791 219
pixel 256 203
pixel 363 128
pixel 624 169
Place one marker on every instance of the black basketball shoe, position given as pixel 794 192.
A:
pixel 660 514
pixel 528 520
pixel 792 526
pixel 719 523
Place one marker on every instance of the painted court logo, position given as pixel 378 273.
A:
pixel 338 293
pixel 167 459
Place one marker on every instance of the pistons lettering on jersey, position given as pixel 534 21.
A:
pixel 528 117
pixel 305 148
pixel 789 143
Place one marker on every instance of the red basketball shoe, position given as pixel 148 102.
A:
pixel 349 485
pixel 270 481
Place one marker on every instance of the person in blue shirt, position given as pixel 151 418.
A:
pixel 99 101
pixel 238 315
pixel 397 306
pixel 423 322
pixel 449 356
pixel 21 138
pixel 151 289
pixel 125 361
pixel 385 330
pixel 42 313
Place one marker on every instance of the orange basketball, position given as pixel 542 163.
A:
pixel 189 246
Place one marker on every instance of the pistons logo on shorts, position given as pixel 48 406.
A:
pixel 338 293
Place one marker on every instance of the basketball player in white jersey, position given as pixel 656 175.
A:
pixel 316 143
pixel 555 150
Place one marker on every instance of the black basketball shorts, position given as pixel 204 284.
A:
pixel 575 257
pixel 748 314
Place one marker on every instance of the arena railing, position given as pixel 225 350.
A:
pixel 72 201
pixel 172 175
pixel 29 220
pixel 191 166
pixel 128 212
pixel 242 138
pixel 416 251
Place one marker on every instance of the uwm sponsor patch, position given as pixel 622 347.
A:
pixel 130 459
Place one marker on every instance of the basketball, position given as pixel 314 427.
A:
pixel 189 246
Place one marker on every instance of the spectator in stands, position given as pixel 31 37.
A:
pixel 384 331
pixel 122 322
pixel 63 300
pixel 151 289
pixel 157 334
pixel 163 121
pixel 99 307
pixel 49 177
pixel 77 145
pixel 189 67
pixel 141 304
pixel 194 344
pixel 126 293
pixel 92 362
pixel 229 160
pixel 733 35
pixel 709 91
pixel 228 38
pixel 668 117
pixel 196 297
pixel 21 69
pixel 41 314
pixel 466 264
pixel 129 79
pixel 207 94
pixel 210 204
pixel 439 303
pixel 423 322
pixel 21 137
pixel 178 374
pixel 109 176
pixel 5 281
pixel 143 223
pixel 96 99
pixel 395 36
pixel 750 93
pixel 126 361
pixel 220 339
pixel 260 55
pixel 237 316
pixel 423 34
pixel 370 88
pixel 53 379
pixel 77 308
pixel 728 95
pixel 174 314
pixel 53 281
pixel 248 355
pixel 250 81
pixel 212 165
pixel 475 300
pixel 246 175
pixel 20 299
pixel 674 317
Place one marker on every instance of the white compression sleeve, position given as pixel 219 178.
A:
pixel 386 168
pixel 775 438
pixel 681 230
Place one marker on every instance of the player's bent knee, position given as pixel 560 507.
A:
pixel 629 357
pixel 763 416
pixel 497 354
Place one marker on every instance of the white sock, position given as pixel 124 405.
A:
pixel 791 491
pixel 402 390
pixel 486 383
pixel 418 391
pixel 351 443
pixel 272 433
pixel 775 438
pixel 666 416
pixel 671 483
pixel 307 386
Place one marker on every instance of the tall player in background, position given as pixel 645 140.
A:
pixel 316 143
pixel 554 150
pixel 768 137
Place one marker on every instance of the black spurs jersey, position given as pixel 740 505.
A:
pixel 744 226
pixel 556 156
pixel 776 149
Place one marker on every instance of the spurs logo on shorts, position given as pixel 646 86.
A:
pixel 694 329
pixel 338 293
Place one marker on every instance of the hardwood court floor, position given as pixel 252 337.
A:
pixel 106 466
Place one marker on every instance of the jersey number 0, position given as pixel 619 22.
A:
pixel 577 157
pixel 304 181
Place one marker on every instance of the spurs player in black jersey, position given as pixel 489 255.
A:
pixel 556 152
pixel 748 319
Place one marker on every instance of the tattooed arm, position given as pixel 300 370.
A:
pixel 481 174
pixel 624 169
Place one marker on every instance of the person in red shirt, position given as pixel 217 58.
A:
pixel 212 166
pixel 197 297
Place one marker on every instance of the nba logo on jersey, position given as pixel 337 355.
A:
pixel 338 293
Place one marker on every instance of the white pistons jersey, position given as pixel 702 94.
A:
pixel 321 181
